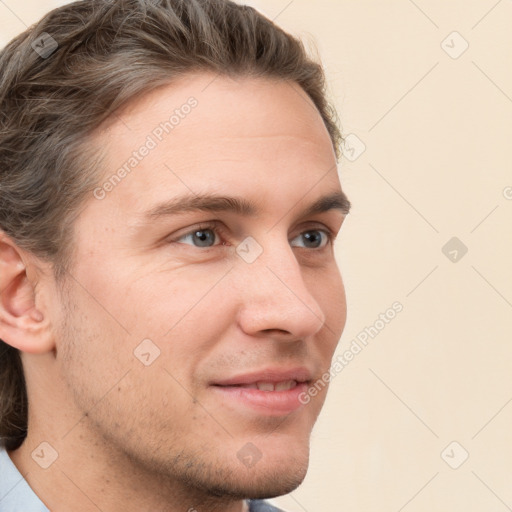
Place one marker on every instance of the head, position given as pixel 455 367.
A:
pixel 139 309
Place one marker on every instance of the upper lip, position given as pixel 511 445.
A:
pixel 299 374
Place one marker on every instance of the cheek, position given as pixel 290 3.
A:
pixel 91 349
pixel 118 391
pixel 155 301
pixel 182 310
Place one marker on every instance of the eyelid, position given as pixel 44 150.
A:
pixel 215 226
pixel 219 228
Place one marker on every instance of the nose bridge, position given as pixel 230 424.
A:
pixel 275 296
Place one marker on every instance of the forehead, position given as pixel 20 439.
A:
pixel 248 101
pixel 206 133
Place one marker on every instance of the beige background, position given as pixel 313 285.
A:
pixel 437 127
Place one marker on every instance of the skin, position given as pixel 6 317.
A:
pixel 136 437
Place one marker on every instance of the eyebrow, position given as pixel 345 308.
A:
pixel 241 206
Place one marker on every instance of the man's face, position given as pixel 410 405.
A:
pixel 211 308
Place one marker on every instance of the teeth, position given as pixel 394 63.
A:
pixel 278 386
pixel 284 386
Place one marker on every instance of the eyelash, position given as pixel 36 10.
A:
pixel 220 230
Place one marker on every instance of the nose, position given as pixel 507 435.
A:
pixel 276 301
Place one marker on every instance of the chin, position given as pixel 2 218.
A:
pixel 279 471
pixel 277 482
pixel 265 481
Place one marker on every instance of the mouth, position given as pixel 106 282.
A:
pixel 272 392
pixel 284 385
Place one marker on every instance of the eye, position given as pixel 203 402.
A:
pixel 205 235
pixel 316 238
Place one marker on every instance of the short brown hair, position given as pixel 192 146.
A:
pixel 51 101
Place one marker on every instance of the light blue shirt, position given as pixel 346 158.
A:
pixel 17 496
pixel 15 493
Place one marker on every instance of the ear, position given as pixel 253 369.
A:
pixel 22 324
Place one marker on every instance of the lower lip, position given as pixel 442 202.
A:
pixel 272 403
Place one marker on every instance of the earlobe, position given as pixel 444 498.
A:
pixel 22 324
